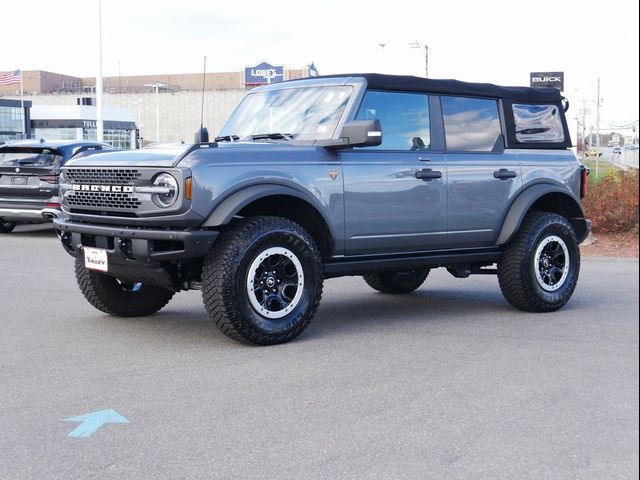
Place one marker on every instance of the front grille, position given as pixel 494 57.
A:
pixel 103 176
pixel 103 200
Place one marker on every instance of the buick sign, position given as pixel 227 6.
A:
pixel 547 79
pixel 263 73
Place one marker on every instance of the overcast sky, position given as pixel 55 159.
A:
pixel 488 41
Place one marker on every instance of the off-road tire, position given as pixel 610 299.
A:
pixel 109 295
pixel 397 282
pixel 230 265
pixel 517 267
pixel 6 227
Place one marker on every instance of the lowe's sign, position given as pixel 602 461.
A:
pixel 263 73
pixel 547 79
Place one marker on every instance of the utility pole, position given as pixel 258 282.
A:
pixel 584 125
pixel 598 153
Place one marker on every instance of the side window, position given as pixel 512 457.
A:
pixel 538 123
pixel 404 118
pixel 471 124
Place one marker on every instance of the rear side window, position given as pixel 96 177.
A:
pixel 404 118
pixel 538 123
pixel 471 124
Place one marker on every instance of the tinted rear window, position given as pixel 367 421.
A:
pixel 31 157
pixel 538 123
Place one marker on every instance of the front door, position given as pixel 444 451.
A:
pixel 395 194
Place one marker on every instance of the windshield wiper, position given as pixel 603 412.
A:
pixel 272 136
pixel 227 138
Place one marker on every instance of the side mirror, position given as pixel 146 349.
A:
pixel 357 133
pixel 362 133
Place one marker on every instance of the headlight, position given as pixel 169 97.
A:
pixel 169 194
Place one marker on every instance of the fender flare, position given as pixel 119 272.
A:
pixel 230 206
pixel 521 205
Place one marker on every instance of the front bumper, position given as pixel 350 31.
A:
pixel 137 254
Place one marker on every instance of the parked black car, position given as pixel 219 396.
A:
pixel 29 172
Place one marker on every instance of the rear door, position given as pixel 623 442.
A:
pixel 483 176
pixel 28 176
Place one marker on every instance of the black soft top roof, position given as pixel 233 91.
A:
pixel 406 83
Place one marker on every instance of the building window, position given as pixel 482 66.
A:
pixel 117 138
pixel 10 119
pixel 55 133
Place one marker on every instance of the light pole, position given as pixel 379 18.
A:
pixel 426 55
pixel 157 87
pixel 139 102
pixel 99 123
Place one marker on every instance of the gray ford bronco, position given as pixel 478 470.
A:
pixel 375 175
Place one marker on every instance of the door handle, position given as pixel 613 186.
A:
pixel 427 174
pixel 504 174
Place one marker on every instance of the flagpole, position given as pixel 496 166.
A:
pixel 22 115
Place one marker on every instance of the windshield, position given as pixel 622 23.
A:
pixel 309 113
pixel 40 157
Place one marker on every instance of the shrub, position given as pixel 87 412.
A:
pixel 612 202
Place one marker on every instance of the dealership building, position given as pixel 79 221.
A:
pixel 164 108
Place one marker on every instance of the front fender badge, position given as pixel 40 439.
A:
pixel 333 174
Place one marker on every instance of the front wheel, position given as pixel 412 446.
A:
pixel 539 268
pixel 110 295
pixel 262 280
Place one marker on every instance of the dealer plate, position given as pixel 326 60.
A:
pixel 96 259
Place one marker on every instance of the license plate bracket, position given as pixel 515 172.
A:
pixel 18 180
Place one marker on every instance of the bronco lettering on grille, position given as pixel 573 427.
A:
pixel 104 188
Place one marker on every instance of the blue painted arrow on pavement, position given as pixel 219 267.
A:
pixel 91 422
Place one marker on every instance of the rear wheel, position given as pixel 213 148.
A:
pixel 262 280
pixel 405 281
pixel 539 269
pixel 110 295
pixel 6 227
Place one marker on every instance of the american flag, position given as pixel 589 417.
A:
pixel 9 78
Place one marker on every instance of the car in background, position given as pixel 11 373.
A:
pixel 29 171
pixel 593 152
pixel 617 150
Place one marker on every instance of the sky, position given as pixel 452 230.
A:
pixel 492 41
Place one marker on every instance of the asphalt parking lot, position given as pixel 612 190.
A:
pixel 448 382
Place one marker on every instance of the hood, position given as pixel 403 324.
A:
pixel 171 156
pixel 159 157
